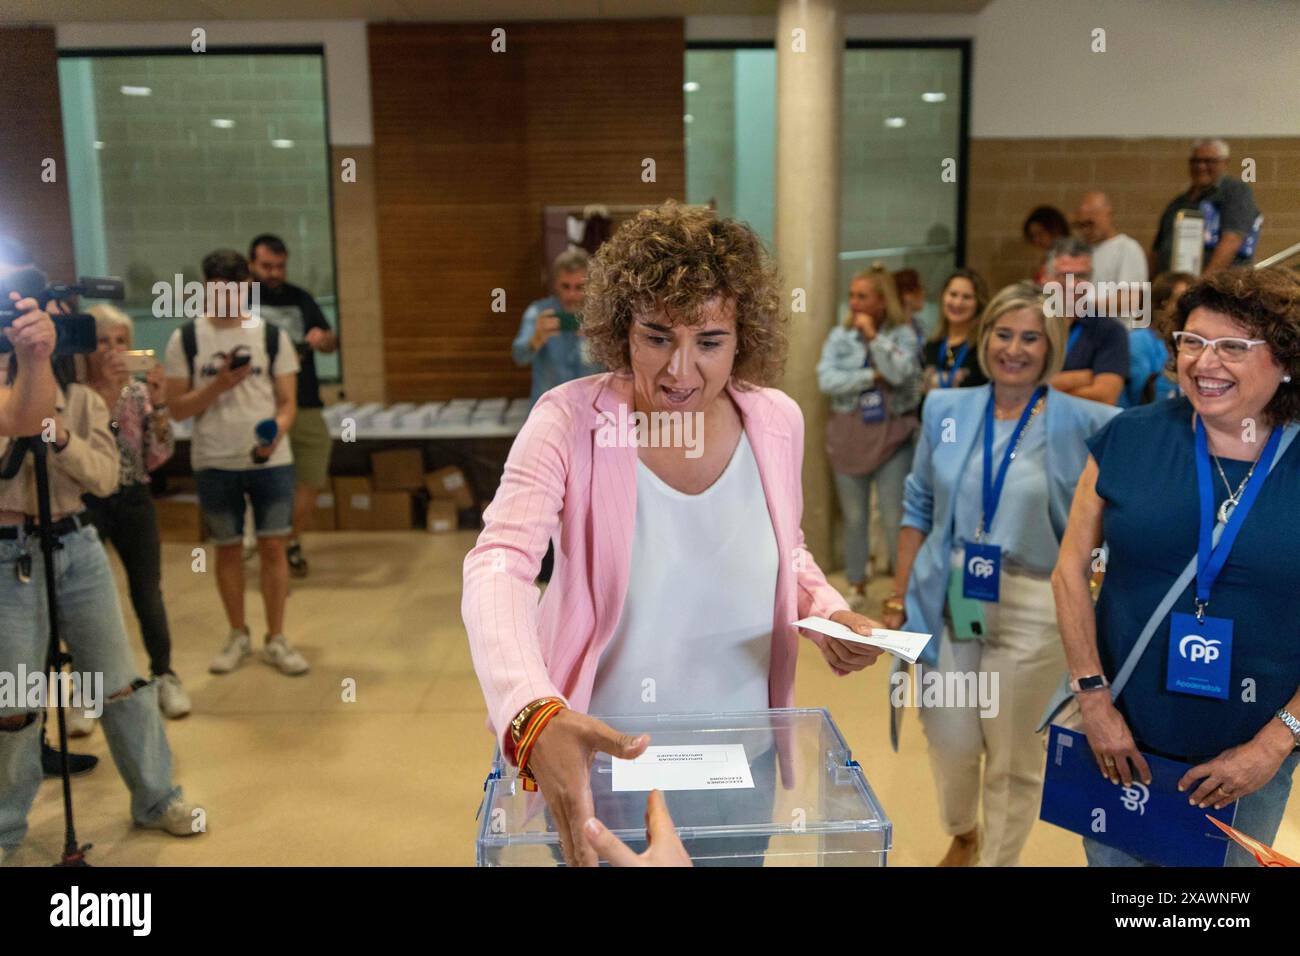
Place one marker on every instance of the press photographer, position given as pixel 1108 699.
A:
pixel 71 451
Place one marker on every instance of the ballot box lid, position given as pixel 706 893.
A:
pixel 771 787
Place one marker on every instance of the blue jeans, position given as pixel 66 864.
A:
pixel 90 623
pixel 1258 815
pixel 855 504
pixel 221 499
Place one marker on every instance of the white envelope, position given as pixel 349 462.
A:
pixel 698 767
pixel 905 644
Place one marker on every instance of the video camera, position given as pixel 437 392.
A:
pixel 76 333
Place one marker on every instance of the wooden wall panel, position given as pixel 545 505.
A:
pixel 31 130
pixel 469 147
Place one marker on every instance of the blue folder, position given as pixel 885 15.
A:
pixel 1154 822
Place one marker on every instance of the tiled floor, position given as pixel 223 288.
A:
pixel 291 773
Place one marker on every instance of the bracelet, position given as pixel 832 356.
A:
pixel 893 604
pixel 524 748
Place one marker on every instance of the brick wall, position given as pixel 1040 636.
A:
pixel 1008 177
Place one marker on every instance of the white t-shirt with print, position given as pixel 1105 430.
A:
pixel 223 433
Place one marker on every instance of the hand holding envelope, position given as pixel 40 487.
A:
pixel 905 644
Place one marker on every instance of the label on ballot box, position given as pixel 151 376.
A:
pixel 1153 822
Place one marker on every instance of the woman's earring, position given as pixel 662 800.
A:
pixel 1286 379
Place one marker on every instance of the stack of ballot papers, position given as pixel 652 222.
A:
pixel 905 644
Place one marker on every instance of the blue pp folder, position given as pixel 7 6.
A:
pixel 1154 823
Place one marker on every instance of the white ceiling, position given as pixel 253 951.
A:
pixel 15 12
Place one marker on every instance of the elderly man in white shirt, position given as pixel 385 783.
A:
pixel 1115 256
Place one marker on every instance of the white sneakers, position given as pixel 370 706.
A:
pixel 172 699
pixel 277 652
pixel 857 599
pixel 286 659
pixel 179 819
pixel 79 725
pixel 238 646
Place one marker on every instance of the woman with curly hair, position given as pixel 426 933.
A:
pixel 1159 480
pixel 670 486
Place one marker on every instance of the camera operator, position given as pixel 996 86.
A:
pixel 83 457
pixel 27 400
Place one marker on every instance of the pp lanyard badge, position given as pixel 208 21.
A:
pixel 982 563
pixel 1200 647
pixel 871 403
pixel 946 382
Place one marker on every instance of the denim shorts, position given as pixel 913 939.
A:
pixel 222 494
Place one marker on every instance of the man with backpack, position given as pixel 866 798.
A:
pixel 236 376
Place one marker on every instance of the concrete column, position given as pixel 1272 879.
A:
pixel 809 54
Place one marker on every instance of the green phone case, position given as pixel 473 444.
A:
pixel 967 613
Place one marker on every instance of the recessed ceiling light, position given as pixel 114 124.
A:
pixel 282 143
pixel 690 86
pixel 99 144
pixel 934 97
pixel 137 91
pixel 223 123
pixel 895 122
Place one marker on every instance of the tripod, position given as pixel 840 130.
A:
pixel 55 659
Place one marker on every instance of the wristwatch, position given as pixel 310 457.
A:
pixel 1292 724
pixel 1094 682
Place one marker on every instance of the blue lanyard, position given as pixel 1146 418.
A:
pixel 1210 559
pixel 992 486
pixel 1074 337
pixel 956 362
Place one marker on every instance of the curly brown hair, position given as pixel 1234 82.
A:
pixel 1267 303
pixel 677 259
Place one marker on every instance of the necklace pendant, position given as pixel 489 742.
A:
pixel 1225 509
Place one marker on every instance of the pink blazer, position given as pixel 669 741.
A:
pixel 558 483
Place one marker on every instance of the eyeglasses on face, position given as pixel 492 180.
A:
pixel 1203 161
pixel 1228 348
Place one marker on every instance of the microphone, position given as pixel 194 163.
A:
pixel 265 430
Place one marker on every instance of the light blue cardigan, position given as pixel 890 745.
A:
pixel 957 414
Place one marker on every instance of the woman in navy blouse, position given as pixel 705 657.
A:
pixel 1157 480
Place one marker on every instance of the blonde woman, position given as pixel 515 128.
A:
pixel 871 369
pixel 990 491
pixel 127 517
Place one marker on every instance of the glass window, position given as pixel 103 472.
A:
pixel 172 156
pixel 902 118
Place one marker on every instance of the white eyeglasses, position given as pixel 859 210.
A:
pixel 1228 348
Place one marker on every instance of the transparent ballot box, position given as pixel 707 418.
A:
pixel 809 803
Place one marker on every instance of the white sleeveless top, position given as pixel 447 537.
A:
pixel 696 630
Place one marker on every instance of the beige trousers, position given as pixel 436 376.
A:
pixel 1023 648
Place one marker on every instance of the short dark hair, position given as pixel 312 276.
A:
pixel 907 281
pixel 225 265
pixel 271 241
pixel 1267 303
pixel 1050 218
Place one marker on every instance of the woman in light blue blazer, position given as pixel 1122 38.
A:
pixel 969 536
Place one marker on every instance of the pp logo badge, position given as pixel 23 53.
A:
pixel 978 567
pixel 1134 797
pixel 1195 648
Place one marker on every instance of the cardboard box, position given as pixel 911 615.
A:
pixel 401 469
pixel 442 517
pixel 390 511
pixel 353 504
pixel 449 484
pixel 179 518
pixel 323 517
